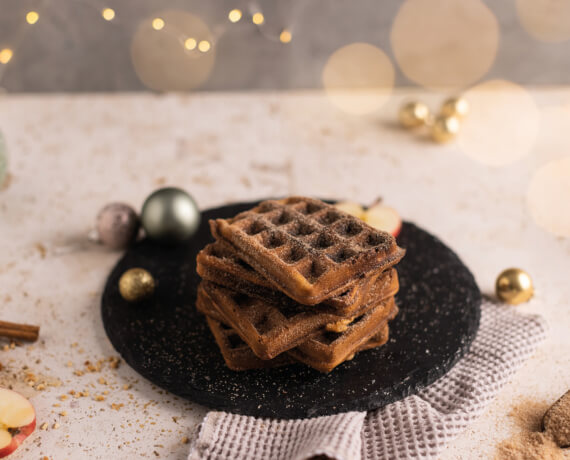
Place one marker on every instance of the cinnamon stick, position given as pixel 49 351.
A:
pixel 19 331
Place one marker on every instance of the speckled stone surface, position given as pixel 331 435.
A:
pixel 169 343
pixel 72 154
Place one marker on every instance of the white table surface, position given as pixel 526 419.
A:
pixel 72 154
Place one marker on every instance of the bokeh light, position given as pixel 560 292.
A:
pixel 285 36
pixel 190 43
pixel 502 125
pixel 234 15
pixel 545 20
pixel 204 46
pixel 358 78
pixel 444 44
pixel 257 18
pixel 32 17
pixel 108 14
pixel 6 55
pixel 158 23
pixel 162 61
pixel 548 196
pixel 553 132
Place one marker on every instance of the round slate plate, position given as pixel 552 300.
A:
pixel 169 343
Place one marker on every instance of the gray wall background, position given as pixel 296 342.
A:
pixel 72 48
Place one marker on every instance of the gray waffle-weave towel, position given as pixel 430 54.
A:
pixel 416 427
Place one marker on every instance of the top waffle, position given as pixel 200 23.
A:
pixel 308 249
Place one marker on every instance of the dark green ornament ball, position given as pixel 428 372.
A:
pixel 170 215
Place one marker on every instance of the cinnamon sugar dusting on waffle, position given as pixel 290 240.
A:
pixel 308 249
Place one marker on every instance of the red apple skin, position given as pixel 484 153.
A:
pixel 23 433
pixel 396 232
pixel 18 433
pixel 388 215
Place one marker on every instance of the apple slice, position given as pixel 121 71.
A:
pixel 17 420
pixel 352 208
pixel 383 218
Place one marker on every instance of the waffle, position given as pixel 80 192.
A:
pixel 270 330
pixel 218 262
pixel 378 339
pixel 308 249
pixel 239 357
pixel 327 350
pixel 237 354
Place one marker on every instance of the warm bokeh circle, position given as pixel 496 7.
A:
pixel 549 196
pixel 358 78
pixel 502 125
pixel 545 20
pixel 161 56
pixel 445 44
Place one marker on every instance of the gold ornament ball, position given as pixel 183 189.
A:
pixel 444 129
pixel 413 114
pixel 136 284
pixel 455 107
pixel 514 286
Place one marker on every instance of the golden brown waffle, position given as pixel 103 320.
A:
pixel 327 350
pixel 218 262
pixel 237 354
pixel 377 340
pixel 308 249
pixel 239 357
pixel 270 330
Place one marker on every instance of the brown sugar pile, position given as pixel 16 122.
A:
pixel 529 446
pixel 532 443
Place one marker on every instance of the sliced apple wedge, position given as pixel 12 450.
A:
pixel 17 420
pixel 383 218
pixel 352 208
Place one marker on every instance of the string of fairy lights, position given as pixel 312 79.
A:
pixel 235 15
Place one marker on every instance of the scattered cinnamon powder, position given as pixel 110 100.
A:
pixel 530 443
pixel 528 414
pixel 529 446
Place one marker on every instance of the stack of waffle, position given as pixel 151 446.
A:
pixel 297 280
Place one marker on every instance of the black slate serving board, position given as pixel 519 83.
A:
pixel 169 343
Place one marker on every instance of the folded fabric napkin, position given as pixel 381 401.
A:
pixel 418 426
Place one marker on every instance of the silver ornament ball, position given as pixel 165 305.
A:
pixel 170 215
pixel 117 225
